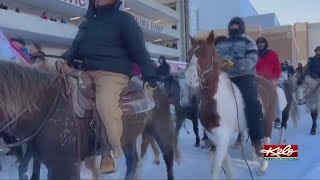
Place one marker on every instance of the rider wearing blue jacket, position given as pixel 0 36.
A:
pixel 243 52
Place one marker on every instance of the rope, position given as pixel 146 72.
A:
pixel 245 159
pixel 184 126
pixel 75 122
pixel 35 133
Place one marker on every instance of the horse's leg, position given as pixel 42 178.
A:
pixel 62 170
pixel 195 125
pixel 132 159
pixel 146 140
pixel 166 147
pixel 36 169
pixel 156 151
pixel 92 166
pixel 239 140
pixel 23 166
pixel 284 124
pixel 222 139
pixel 314 115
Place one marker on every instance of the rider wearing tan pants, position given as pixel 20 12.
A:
pixel 109 42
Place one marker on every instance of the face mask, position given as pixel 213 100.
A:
pixel 235 32
pixel 261 46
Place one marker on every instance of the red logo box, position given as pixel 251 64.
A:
pixel 281 152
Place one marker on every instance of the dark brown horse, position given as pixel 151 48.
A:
pixel 184 111
pixel 39 107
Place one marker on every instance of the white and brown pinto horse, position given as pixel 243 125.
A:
pixel 308 92
pixel 222 106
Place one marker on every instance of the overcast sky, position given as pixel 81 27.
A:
pixel 290 11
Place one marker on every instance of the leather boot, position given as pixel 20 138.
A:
pixel 258 147
pixel 108 164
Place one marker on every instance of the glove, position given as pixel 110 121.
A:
pixel 227 64
pixel 150 87
pixel 66 57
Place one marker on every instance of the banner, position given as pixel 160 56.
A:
pixel 8 52
pixel 79 3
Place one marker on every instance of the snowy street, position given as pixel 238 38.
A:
pixel 196 164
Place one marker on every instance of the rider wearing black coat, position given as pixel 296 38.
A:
pixel 314 64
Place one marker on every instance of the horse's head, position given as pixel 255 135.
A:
pixel 201 58
pixel 304 87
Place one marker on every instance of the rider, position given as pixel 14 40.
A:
pixel 109 42
pixel 290 69
pixel 164 69
pixel 242 51
pixel 314 64
pixel 269 67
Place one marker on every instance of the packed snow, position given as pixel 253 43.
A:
pixel 196 162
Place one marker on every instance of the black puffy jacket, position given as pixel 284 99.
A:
pixel 111 40
pixel 314 67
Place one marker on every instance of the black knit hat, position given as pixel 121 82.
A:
pixel 240 22
pixel 262 40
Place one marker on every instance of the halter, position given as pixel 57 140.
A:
pixel 201 75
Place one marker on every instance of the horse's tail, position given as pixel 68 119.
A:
pixel 294 112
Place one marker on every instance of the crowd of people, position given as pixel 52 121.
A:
pixel 33 54
pixel 43 16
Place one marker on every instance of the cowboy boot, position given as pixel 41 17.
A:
pixel 277 123
pixel 108 164
pixel 258 147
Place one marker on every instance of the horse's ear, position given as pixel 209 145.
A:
pixel 210 39
pixel 193 40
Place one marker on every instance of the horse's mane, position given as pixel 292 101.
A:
pixel 22 86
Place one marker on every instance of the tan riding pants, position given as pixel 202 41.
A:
pixel 108 88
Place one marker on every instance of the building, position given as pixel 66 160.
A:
pixel 216 14
pixel 162 21
pixel 295 43
pixel 269 20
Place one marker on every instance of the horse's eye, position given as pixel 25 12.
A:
pixel 197 52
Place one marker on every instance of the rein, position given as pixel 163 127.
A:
pixel 35 133
pixel 19 115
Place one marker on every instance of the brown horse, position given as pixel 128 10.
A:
pixel 222 106
pixel 40 108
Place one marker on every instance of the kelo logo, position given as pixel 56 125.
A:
pixel 280 152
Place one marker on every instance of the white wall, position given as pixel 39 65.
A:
pixel 263 20
pixel 216 14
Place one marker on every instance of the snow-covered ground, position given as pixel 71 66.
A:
pixel 196 162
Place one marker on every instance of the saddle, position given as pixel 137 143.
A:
pixel 133 99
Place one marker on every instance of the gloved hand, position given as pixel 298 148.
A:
pixel 227 63
pixel 66 57
pixel 150 87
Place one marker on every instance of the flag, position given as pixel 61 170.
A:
pixel 9 53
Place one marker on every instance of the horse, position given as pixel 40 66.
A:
pixel 175 90
pixel 308 92
pixel 221 103
pixel 41 112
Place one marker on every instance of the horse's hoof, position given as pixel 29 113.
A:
pixel 261 173
pixel 197 145
pixel 312 133
pixel 24 177
pixel 156 162
pixel 237 146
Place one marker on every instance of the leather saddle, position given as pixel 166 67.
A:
pixel 133 99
